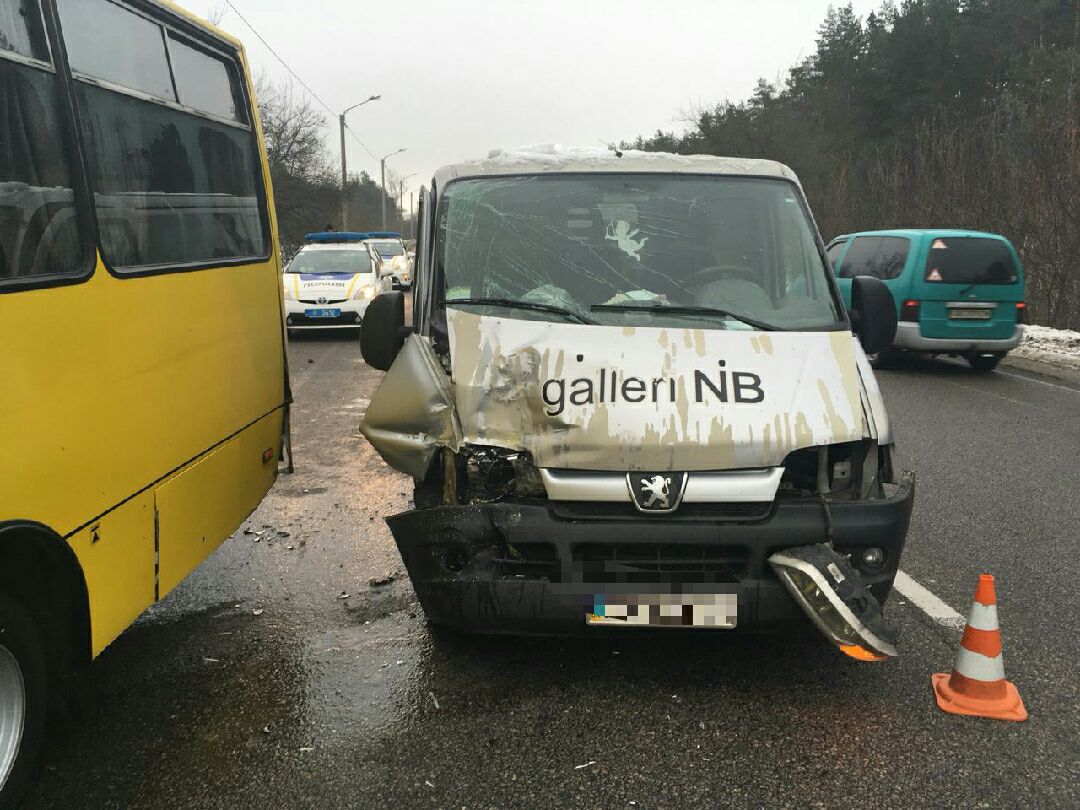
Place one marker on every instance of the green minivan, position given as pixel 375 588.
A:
pixel 958 293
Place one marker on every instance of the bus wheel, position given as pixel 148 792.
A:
pixel 22 699
pixel 984 362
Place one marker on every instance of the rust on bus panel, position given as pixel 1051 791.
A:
pixel 594 397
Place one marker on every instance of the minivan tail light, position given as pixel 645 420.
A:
pixel 909 311
pixel 1021 312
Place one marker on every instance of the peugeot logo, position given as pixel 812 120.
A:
pixel 321 299
pixel 656 492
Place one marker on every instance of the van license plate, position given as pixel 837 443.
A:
pixel 971 314
pixel 706 610
pixel 323 313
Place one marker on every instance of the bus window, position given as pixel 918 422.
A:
pixel 171 187
pixel 205 82
pixel 109 42
pixel 39 233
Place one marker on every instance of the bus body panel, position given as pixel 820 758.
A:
pixel 116 383
pixel 116 555
pixel 193 519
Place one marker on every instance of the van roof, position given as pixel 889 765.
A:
pixel 549 158
pixel 944 233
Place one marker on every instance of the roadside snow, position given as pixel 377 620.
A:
pixel 1056 346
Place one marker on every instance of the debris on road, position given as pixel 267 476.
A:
pixel 343 595
pixel 434 700
pixel 429 783
pixel 385 579
pixel 210 660
pixel 257 612
pixel 586 765
pixel 304 748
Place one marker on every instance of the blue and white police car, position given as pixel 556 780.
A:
pixel 331 280
pixel 394 255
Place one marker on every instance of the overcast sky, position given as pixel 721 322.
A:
pixel 461 77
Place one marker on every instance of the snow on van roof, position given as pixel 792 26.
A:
pixel 542 158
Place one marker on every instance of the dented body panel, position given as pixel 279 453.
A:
pixel 624 398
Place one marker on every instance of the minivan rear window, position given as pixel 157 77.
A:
pixel 882 257
pixel 970 260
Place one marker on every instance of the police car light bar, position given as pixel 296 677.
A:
pixel 336 236
pixel 349 236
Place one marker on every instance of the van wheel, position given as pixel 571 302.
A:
pixel 23 699
pixel 984 362
pixel 886 358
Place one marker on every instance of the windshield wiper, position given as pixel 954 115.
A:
pixel 674 309
pixel 510 302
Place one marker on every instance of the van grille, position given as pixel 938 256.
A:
pixel 660 562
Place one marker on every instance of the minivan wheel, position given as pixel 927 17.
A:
pixel 984 362
pixel 886 358
pixel 22 699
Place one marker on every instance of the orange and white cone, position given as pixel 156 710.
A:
pixel 977 684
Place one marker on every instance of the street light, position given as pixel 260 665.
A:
pixel 382 182
pixel 344 177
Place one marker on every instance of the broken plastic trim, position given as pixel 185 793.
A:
pixel 830 591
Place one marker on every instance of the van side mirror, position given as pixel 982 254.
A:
pixel 873 313
pixel 383 332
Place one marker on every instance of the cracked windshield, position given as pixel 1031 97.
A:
pixel 638 250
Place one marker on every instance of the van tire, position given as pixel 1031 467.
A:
pixel 984 362
pixel 21 640
pixel 886 358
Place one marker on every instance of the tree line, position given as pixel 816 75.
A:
pixel 930 113
pixel 306 172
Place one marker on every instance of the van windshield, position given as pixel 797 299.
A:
pixel 330 261
pixel 636 249
pixel 970 260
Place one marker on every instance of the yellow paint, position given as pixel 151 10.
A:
pixel 112 385
pixel 117 558
pixel 193 518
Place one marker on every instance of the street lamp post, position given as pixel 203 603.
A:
pixel 344 176
pixel 382 182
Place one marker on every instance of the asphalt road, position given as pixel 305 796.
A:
pixel 277 676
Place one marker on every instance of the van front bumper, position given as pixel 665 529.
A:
pixel 537 567
pixel 908 337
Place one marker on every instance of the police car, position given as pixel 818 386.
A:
pixel 331 280
pixel 392 250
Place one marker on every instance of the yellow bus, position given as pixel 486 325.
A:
pixel 143 381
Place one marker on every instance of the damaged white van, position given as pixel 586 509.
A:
pixel 630 396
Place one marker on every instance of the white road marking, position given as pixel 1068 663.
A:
pixel 927 602
pixel 1040 382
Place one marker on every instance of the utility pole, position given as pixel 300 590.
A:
pixel 344 174
pixel 382 182
pixel 401 196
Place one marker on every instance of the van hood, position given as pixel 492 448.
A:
pixel 590 397
pixel 332 286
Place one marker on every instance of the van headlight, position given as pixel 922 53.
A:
pixel 364 293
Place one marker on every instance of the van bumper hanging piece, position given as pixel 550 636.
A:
pixel 831 592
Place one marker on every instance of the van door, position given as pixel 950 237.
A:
pixel 968 288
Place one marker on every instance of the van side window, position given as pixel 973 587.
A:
pixel 172 186
pixel 39 230
pixel 833 251
pixel 883 257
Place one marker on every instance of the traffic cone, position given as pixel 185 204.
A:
pixel 977 684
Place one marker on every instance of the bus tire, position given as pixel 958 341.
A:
pixel 23 690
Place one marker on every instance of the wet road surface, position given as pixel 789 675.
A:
pixel 278 675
